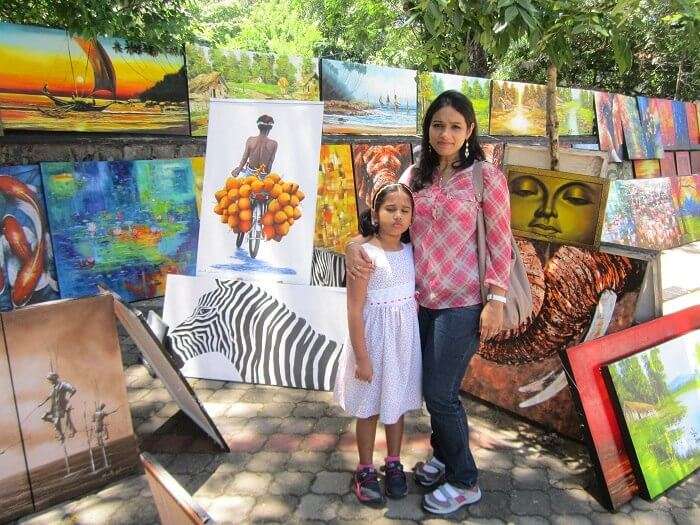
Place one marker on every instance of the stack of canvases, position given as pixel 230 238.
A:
pixel 639 393
pixel 66 424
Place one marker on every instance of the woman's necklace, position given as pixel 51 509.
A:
pixel 444 175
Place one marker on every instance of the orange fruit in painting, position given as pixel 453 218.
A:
pixel 268 184
pixel 290 221
pixel 244 226
pixel 224 202
pixel 219 194
pixel 294 200
pixel 245 215
pixel 293 187
pixel 268 232
pixel 274 176
pixel 288 211
pixel 232 193
pixel 217 209
pixel 224 218
pixel 230 183
pixel 249 179
pixel 297 213
pixel 282 229
pixel 244 203
pixel 287 187
pixel 301 195
pixel 276 190
pixel 233 221
pixel 256 186
pixel 268 219
pixel 284 199
pixel 280 217
pixel 244 190
pixel 273 206
pixel 232 208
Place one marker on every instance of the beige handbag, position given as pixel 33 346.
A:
pixel 518 305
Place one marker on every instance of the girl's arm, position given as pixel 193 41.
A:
pixel 356 295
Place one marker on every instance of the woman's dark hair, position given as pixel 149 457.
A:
pixel 367 227
pixel 471 150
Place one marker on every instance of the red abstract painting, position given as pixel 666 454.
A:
pixel 683 163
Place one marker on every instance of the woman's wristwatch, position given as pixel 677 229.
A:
pixel 496 297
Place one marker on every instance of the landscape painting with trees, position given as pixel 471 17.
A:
pixel 658 396
pixel 222 72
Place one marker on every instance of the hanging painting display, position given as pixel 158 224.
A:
pixel 657 398
pixel 683 163
pixel 219 72
pixel 431 84
pixel 259 193
pixel 520 370
pixel 493 151
pixel 198 175
pixel 668 164
pixel 124 224
pixel 695 162
pixel 27 270
pixel 575 111
pixel 646 169
pixel 52 81
pixel 364 99
pixel 70 389
pixel 556 206
pixel 261 332
pixel 517 108
pixel 686 197
pixel 610 135
pixel 693 123
pixel 619 170
pixel 376 165
pixel 680 124
pixel 635 138
pixel 585 364
pixel 651 128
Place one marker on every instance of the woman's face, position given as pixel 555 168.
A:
pixel 560 209
pixel 448 131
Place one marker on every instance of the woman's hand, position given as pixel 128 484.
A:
pixel 363 369
pixel 357 262
pixel 491 320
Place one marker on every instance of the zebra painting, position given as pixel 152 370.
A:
pixel 327 268
pixel 265 339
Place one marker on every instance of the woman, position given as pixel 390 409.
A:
pixel 451 315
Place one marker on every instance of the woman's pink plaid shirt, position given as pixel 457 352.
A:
pixel 444 238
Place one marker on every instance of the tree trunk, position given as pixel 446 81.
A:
pixel 552 120
pixel 677 96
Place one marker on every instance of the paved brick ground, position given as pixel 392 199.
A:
pixel 293 452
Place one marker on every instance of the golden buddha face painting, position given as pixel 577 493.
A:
pixel 555 206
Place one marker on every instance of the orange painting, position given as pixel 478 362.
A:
pixel 52 81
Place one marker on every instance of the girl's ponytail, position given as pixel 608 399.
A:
pixel 367 227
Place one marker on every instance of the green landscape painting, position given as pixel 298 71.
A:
pixel 575 111
pixel 430 85
pixel 658 394
pixel 232 73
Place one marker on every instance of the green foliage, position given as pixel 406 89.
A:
pixel 156 25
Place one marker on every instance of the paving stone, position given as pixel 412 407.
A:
pixel 331 483
pixel 317 507
pixel 652 518
pixel 320 396
pixel 244 441
pixel 271 508
pixel 55 516
pixel 244 410
pixel 138 377
pixel 660 504
pixel 408 508
pixel 138 511
pixel 150 425
pixel 291 483
pixel 286 395
pixel 307 461
pixel 495 480
pixel 192 463
pixel 529 502
pixel 294 425
pixel 342 461
pixel 266 461
pixel 570 519
pixel 135 394
pixel 492 504
pixel 309 410
pixel 250 483
pixel 282 410
pixel 352 511
pixel 259 395
pixel 529 478
pixel 319 442
pixel 124 489
pixel 144 409
pixel 575 501
pixel 493 460
pixel 528 520
pixel 264 425
pixel 157 395
pixel 231 509
pixel 333 410
pixel 225 395
pixel 98 511
pixel 608 518
pixel 283 442
pixel 215 409
pixel 333 425
pixel 209 384
pixel 168 410
pixel 686 516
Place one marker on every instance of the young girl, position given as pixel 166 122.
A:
pixel 379 375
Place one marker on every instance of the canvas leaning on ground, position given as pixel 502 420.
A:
pixel 657 395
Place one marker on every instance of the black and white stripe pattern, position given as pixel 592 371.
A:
pixel 264 339
pixel 327 268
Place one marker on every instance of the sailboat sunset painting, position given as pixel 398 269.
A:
pixel 53 81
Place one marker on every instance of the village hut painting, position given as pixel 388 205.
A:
pixel 431 84
pixel 657 395
pixel 53 81
pixel 214 72
pixel 124 224
pixel 70 390
pixel 364 99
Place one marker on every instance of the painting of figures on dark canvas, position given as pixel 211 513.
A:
pixel 521 371
pixel 658 398
pixel 73 411
pixel 364 99
pixel 27 270
pixel 376 165
pixel 610 135
pixel 53 81
pixel 125 224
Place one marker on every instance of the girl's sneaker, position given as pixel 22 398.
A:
pixel 429 474
pixel 366 486
pixel 395 483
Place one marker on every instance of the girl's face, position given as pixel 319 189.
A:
pixel 448 131
pixel 395 213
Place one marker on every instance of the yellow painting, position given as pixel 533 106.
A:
pixel 336 209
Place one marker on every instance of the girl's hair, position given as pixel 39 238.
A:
pixel 369 228
pixel 469 152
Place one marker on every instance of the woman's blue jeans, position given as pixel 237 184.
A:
pixel 449 338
